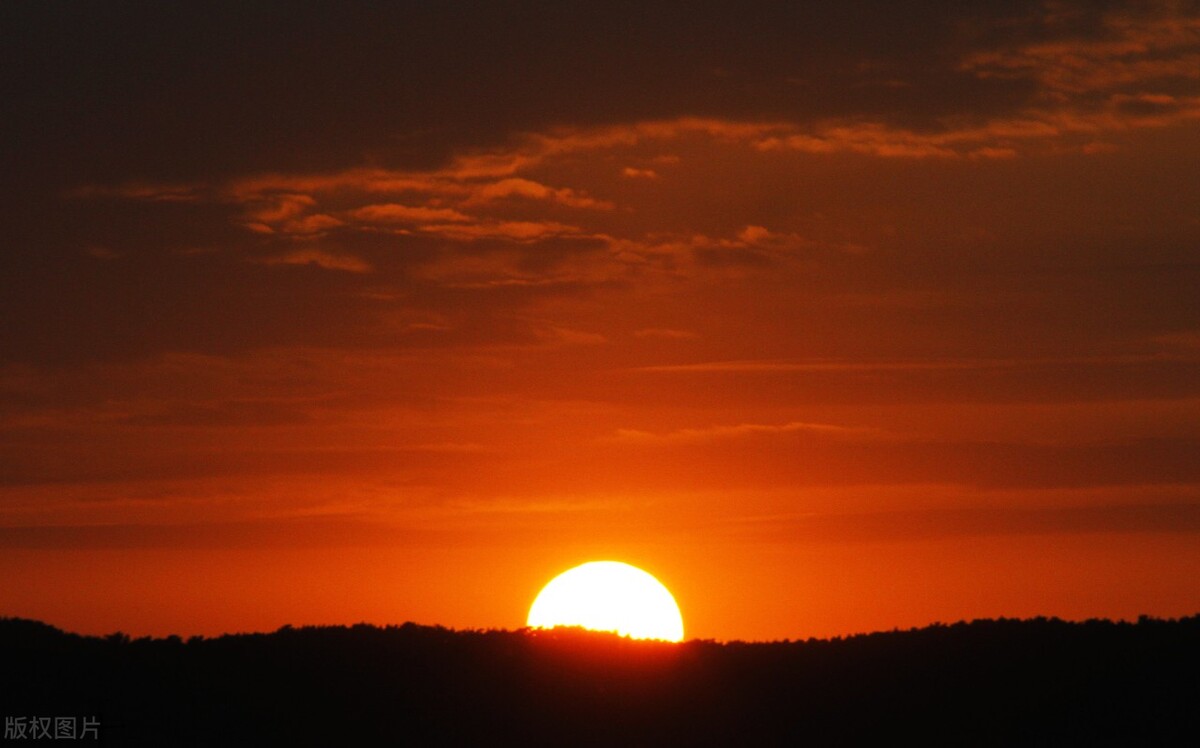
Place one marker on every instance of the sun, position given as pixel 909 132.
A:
pixel 609 596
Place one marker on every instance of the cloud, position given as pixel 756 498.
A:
pixel 748 249
pixel 318 223
pixel 371 181
pixel 932 364
pixel 136 190
pixel 293 530
pixel 279 208
pixel 873 139
pixel 634 173
pixel 397 213
pixel 518 231
pixel 514 267
pixel 742 430
pixel 997 138
pixel 502 193
pixel 525 505
pixel 321 259
pixel 754 235
pixel 736 206
pixel 665 333
pixel 1126 51
pixel 569 336
pixel 288 214
pixel 909 525
pixel 515 187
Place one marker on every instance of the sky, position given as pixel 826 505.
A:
pixel 835 317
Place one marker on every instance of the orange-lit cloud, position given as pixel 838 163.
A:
pixel 320 259
pixel 635 173
pixel 514 187
pixel 741 430
pixel 1128 51
pixel 666 333
pixel 521 231
pixel 409 214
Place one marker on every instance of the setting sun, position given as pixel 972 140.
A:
pixel 411 367
pixel 609 596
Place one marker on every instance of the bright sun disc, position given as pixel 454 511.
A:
pixel 609 596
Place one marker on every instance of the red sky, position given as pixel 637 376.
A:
pixel 835 318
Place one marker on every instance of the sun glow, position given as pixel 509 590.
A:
pixel 609 596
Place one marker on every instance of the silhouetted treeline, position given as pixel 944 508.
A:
pixel 1002 682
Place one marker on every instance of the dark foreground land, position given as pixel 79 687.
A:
pixel 1005 682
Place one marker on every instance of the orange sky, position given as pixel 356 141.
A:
pixel 834 319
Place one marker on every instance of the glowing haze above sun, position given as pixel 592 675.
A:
pixel 609 596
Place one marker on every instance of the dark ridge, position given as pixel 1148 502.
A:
pixel 988 682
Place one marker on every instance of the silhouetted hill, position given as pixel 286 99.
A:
pixel 1001 682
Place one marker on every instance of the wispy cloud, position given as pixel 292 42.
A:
pixel 666 333
pixel 407 214
pixel 741 430
pixel 972 522
pixel 157 192
pixel 635 173
pixel 965 364
pixel 526 188
pixel 517 231
pixel 538 506
pixel 321 259
pixel 1127 51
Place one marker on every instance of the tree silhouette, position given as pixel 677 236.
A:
pixel 989 682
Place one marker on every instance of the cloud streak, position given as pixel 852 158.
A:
pixel 320 259
pixel 742 430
